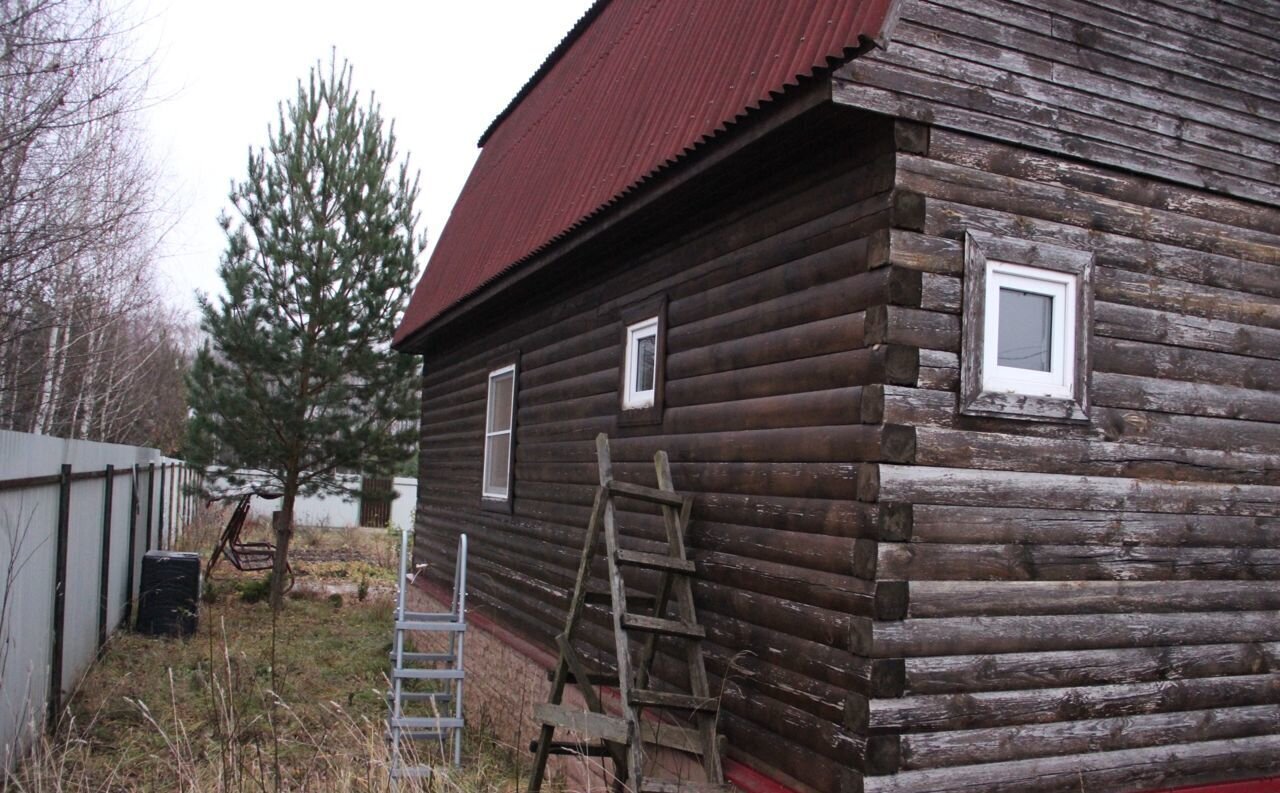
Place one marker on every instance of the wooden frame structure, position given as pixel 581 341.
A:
pixel 624 737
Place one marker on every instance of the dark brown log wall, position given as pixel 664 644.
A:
pixel 1184 90
pixel 765 269
pixel 1082 606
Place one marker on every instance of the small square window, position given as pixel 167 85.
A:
pixel 1029 338
pixel 1027 320
pixel 640 374
pixel 498 429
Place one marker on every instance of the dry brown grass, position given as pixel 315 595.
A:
pixel 242 707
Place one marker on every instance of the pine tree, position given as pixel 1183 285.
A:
pixel 297 381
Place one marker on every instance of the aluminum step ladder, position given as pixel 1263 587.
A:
pixel 424 717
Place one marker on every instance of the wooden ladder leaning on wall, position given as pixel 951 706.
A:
pixel 624 738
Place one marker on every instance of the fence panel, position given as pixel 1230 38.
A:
pixel 103 536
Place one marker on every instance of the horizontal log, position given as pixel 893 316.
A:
pixel 1018 562
pixel 793 275
pixel 965 635
pixel 566 410
pixel 787 616
pixel 835 334
pixel 813 660
pixel 946 712
pixel 805 765
pixel 806 444
pixel 823 700
pixel 923 485
pixel 820 372
pixel 826 738
pixel 1175 396
pixel 840 298
pixel 941 293
pixel 589 383
pixel 1093 457
pixel 1205 432
pixel 796 480
pixel 956 183
pixel 538 380
pixel 1151 768
pixel 580 335
pixel 913 95
pixel 1121 321
pixel 1014 525
pixel 829 407
pixel 913 327
pixel 834 591
pixel 1085 177
pixel 1142 359
pixel 932 599
pixel 807 551
pixel 955 674
pixel 1001 744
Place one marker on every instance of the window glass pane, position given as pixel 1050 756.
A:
pixel 1025 336
pixel 495 478
pixel 500 389
pixel 645 349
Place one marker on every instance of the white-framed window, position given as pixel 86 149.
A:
pixel 640 372
pixel 1029 335
pixel 497 433
pixel 1025 330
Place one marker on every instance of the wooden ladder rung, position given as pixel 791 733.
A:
pixel 680 786
pixel 573 748
pixel 593 678
pixel 594 725
pixel 670 699
pixel 642 493
pixel 657 561
pixel 640 622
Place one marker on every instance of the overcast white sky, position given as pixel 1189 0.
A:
pixel 442 70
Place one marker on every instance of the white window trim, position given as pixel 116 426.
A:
pixel 631 397
pixel 489 432
pixel 1060 287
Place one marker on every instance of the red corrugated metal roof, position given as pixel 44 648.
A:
pixel 634 86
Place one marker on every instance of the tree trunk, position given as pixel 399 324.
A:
pixel 284 532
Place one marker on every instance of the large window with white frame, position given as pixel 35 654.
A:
pixel 640 376
pixel 1026 328
pixel 498 431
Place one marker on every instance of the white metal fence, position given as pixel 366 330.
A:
pixel 75 519
pixel 335 511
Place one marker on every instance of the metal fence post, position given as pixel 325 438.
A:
pixel 160 527
pixel 59 596
pixel 104 577
pixel 151 500
pixel 133 544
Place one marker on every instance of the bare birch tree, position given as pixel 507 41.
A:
pixel 77 227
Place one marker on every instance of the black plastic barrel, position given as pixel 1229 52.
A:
pixel 169 600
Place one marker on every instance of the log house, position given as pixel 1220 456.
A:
pixel 961 318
